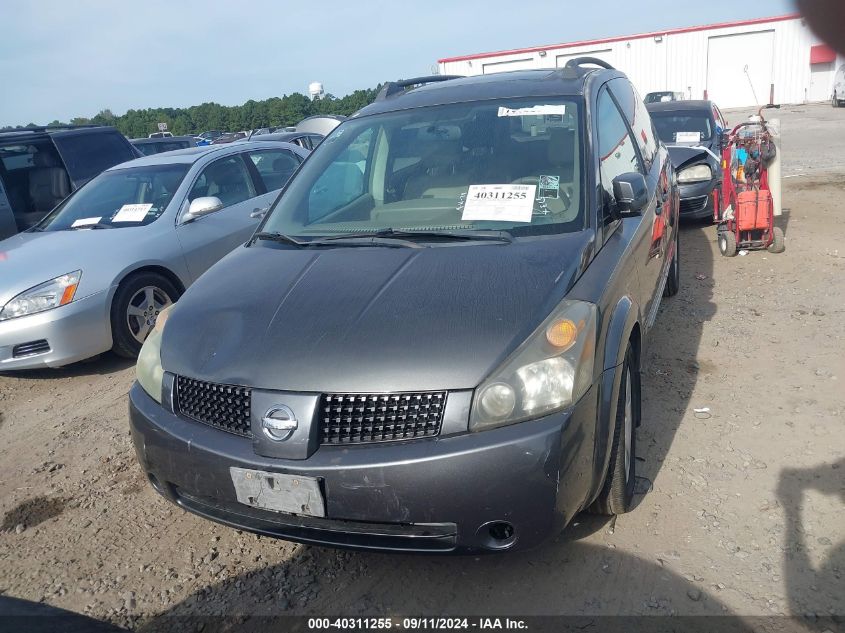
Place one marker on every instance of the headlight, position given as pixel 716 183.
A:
pixel 51 294
pixel 549 372
pixel 149 371
pixel 696 173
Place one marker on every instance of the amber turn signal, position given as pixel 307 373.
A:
pixel 562 334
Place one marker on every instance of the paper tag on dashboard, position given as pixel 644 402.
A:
pixel 499 203
pixel 687 137
pixel 132 213
pixel 85 222
pixel 537 110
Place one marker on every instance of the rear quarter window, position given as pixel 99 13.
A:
pixel 87 155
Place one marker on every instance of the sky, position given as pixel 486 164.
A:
pixel 61 59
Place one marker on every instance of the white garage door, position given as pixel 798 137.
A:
pixel 511 64
pixel 739 69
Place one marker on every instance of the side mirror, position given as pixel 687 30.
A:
pixel 631 193
pixel 202 206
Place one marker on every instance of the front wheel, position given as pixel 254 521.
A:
pixel 136 306
pixel 673 281
pixel 617 495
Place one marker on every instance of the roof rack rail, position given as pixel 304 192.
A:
pixel 44 128
pixel 395 87
pixel 576 62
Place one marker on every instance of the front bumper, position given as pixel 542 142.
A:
pixel 697 199
pixel 442 494
pixel 63 335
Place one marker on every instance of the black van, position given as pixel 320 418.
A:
pixel 40 166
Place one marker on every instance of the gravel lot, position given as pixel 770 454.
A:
pixel 740 512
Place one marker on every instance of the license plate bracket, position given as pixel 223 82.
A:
pixel 279 492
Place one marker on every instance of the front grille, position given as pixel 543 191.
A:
pixel 362 418
pixel 30 349
pixel 694 205
pixel 224 407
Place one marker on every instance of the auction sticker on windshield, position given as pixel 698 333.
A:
pixel 687 137
pixel 499 203
pixel 85 222
pixel 536 110
pixel 132 213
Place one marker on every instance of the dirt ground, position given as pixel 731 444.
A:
pixel 740 512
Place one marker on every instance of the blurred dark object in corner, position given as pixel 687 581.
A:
pixel 827 19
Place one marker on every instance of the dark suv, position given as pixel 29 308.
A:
pixel 40 166
pixel 440 343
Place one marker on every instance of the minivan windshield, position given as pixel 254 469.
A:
pixel 682 126
pixel 510 165
pixel 135 196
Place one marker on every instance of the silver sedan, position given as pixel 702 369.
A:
pixel 95 273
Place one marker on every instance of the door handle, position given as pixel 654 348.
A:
pixel 259 213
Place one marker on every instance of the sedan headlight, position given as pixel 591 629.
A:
pixel 149 371
pixel 549 372
pixel 696 173
pixel 51 294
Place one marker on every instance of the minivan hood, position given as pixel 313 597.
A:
pixel 368 319
pixel 683 155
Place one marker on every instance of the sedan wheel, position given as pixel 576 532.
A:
pixel 136 305
pixel 143 310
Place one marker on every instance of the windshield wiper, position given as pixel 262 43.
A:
pixel 277 237
pixel 462 235
pixel 347 239
pixel 93 225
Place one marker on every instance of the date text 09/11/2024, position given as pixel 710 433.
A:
pixel 421 624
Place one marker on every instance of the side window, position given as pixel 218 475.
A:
pixel 343 182
pixel 315 139
pixel 638 118
pixel 227 179
pixel 87 155
pixel 616 148
pixel 274 166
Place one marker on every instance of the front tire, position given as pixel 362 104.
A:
pixel 673 282
pixel 617 495
pixel 135 308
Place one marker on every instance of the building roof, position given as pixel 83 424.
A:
pixel 623 38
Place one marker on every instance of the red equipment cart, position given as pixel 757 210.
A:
pixel 746 214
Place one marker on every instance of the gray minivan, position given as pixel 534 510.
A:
pixel 434 340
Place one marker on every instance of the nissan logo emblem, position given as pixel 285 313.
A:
pixel 279 423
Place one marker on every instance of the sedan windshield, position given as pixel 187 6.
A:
pixel 510 165
pixel 135 196
pixel 682 127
